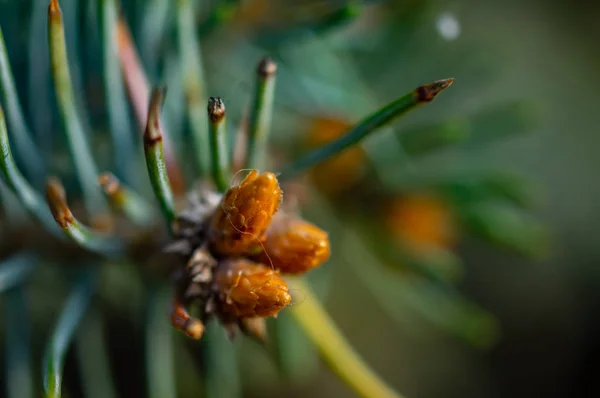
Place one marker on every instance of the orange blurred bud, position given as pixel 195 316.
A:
pixel 245 213
pixel 294 246
pixel 248 289
pixel 343 170
pixel 422 221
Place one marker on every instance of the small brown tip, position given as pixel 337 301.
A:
pixel 216 109
pixel 109 183
pixel 181 320
pixel 194 329
pixel 55 195
pixel 267 67
pixel 255 328
pixel 153 132
pixel 53 7
pixel 428 92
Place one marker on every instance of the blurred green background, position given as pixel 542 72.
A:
pixel 548 310
pixel 542 51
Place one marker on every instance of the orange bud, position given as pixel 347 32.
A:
pixel 422 221
pixel 250 290
pixel 295 246
pixel 245 213
pixel 181 319
pixel 342 171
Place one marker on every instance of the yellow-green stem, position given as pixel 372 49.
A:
pixel 334 348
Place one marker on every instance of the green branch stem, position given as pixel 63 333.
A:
pixel 221 364
pixel 92 353
pixel 155 160
pixel 24 145
pixel 191 63
pixel 261 113
pixel 419 96
pixel 56 350
pixel 218 143
pixel 334 348
pixel 28 197
pixel 139 93
pixel 297 358
pixel 67 105
pixel 154 23
pixel 38 80
pixel 116 97
pixel 160 361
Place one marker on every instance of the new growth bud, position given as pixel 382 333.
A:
pixel 294 246
pixel 248 289
pixel 245 213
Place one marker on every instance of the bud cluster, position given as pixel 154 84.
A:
pixel 236 252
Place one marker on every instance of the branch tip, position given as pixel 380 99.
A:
pixel 181 320
pixel 428 92
pixel 216 109
pixel 57 201
pixel 54 8
pixel 153 130
pixel 109 183
pixel 267 67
